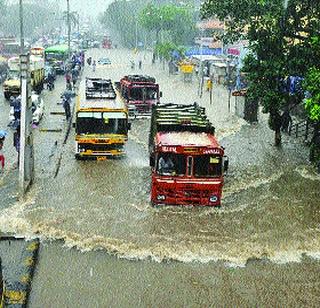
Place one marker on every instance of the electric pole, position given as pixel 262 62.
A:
pixel 69 28
pixel 21 27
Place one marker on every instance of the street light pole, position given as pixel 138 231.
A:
pixel 21 27
pixel 229 84
pixel 136 35
pixel 69 27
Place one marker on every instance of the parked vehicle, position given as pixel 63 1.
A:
pixel 12 87
pixel 104 61
pixel 187 161
pixel 140 93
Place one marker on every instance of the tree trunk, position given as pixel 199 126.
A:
pixel 275 124
pixel 277 138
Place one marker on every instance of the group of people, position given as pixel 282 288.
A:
pixel 71 77
pixel 73 70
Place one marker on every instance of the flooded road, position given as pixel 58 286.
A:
pixel 270 208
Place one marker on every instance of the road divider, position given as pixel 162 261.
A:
pixel 17 291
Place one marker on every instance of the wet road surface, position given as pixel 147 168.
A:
pixel 270 206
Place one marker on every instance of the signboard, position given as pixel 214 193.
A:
pixel 186 68
pixel 233 51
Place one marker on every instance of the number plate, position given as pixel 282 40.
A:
pixel 101 158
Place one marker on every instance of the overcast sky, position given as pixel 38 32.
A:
pixel 87 7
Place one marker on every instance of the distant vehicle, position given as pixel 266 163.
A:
pixel 104 61
pixel 11 86
pixel 9 47
pixel 106 42
pixel 3 69
pixel 140 93
pixel 37 109
pixel 57 57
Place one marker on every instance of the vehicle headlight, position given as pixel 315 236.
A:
pixel 161 197
pixel 213 198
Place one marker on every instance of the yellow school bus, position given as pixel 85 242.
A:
pixel 101 121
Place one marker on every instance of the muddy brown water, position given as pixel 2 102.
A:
pixel 270 212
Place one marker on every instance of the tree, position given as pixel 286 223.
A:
pixel 121 18
pixel 36 16
pixel 312 103
pixel 279 40
pixel 175 21
pixel 74 18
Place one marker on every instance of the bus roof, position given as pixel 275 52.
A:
pixel 99 103
pixel 57 48
pixel 186 139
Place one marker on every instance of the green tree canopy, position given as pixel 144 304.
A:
pixel 280 39
pixel 176 20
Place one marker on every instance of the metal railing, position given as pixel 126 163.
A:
pixel 303 129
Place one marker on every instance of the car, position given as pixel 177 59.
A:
pixel 37 108
pixel 104 61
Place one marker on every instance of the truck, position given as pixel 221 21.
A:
pixel 12 87
pixel 187 162
pixel 57 56
pixel 3 69
pixel 140 93
pixel 9 47
pixel 101 121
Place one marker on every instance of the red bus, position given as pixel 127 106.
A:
pixel 188 163
pixel 140 92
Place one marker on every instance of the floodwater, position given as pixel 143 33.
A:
pixel 270 211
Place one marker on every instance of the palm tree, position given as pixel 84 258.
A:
pixel 74 18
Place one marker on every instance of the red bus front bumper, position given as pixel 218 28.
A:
pixel 186 191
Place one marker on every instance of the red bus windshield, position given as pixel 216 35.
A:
pixel 143 93
pixel 199 165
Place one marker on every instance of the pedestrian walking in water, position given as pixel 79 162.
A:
pixel 209 85
pixel 94 64
pixel 66 107
pixel 16 141
pixel 3 135
pixel 140 64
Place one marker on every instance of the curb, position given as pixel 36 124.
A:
pixel 17 293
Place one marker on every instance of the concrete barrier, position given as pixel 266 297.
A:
pixel 17 292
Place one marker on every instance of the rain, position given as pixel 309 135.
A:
pixel 159 154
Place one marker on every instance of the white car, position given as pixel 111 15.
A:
pixel 37 109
